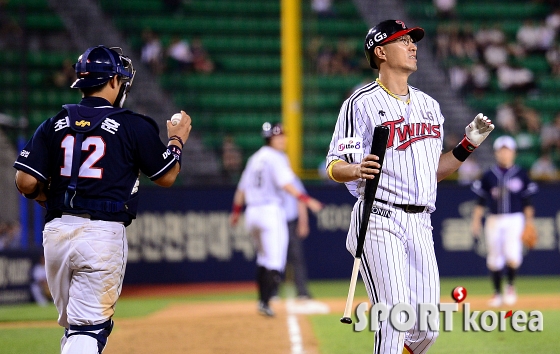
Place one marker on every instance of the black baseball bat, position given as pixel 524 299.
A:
pixel 378 147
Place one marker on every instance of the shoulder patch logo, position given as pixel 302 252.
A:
pixel 350 146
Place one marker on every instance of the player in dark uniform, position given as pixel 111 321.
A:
pixel 83 165
pixel 506 190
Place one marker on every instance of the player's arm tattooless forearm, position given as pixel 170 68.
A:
pixel 302 197
pixel 448 164
pixel 239 198
pixel 342 171
pixel 529 212
pixel 29 186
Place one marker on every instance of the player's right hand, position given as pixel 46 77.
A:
pixel 233 219
pixel 182 130
pixel 369 167
pixel 476 228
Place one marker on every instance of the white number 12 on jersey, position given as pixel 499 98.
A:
pixel 86 169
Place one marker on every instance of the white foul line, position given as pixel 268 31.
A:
pixel 294 308
pixel 293 329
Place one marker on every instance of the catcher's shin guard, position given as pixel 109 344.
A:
pixel 99 332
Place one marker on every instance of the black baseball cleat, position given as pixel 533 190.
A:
pixel 265 310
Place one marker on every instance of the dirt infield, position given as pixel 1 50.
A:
pixel 209 328
pixel 235 326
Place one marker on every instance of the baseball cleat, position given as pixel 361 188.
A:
pixel 265 310
pixel 511 296
pixel 495 301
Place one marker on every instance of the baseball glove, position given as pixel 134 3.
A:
pixel 529 236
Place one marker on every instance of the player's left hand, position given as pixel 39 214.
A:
pixel 369 167
pixel 314 205
pixel 478 129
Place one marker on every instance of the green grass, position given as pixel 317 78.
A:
pixel 332 336
pixel 335 337
pixel 30 340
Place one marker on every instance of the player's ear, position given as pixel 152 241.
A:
pixel 380 53
pixel 114 82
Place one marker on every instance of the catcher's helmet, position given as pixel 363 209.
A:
pixel 98 64
pixel 385 32
pixel 271 129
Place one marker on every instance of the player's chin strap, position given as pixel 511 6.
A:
pixel 99 332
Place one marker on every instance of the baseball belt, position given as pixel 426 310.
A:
pixel 408 208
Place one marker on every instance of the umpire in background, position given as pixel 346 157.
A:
pixel 298 230
pixel 83 165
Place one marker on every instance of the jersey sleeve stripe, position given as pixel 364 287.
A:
pixel 163 170
pixel 34 172
pixel 350 130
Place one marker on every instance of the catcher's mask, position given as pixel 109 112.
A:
pixel 97 65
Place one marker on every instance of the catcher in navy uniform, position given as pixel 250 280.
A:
pixel 506 190
pixel 83 165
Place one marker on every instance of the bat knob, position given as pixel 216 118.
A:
pixel 346 320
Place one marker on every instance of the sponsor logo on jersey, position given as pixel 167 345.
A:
pixel 82 123
pixel 404 135
pixel 381 212
pixel 24 153
pixel 427 115
pixel 350 146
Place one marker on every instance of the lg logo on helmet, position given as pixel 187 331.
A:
pixel 380 36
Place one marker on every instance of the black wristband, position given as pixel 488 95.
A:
pixel 176 152
pixel 463 150
pixel 33 194
pixel 177 138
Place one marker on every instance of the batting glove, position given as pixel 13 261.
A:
pixel 478 129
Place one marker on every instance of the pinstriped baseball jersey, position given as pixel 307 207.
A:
pixel 414 148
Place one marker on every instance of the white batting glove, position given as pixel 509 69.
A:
pixel 478 129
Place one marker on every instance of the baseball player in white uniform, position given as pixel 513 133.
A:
pixel 398 260
pixel 266 176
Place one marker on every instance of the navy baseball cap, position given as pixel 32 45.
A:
pixel 385 32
